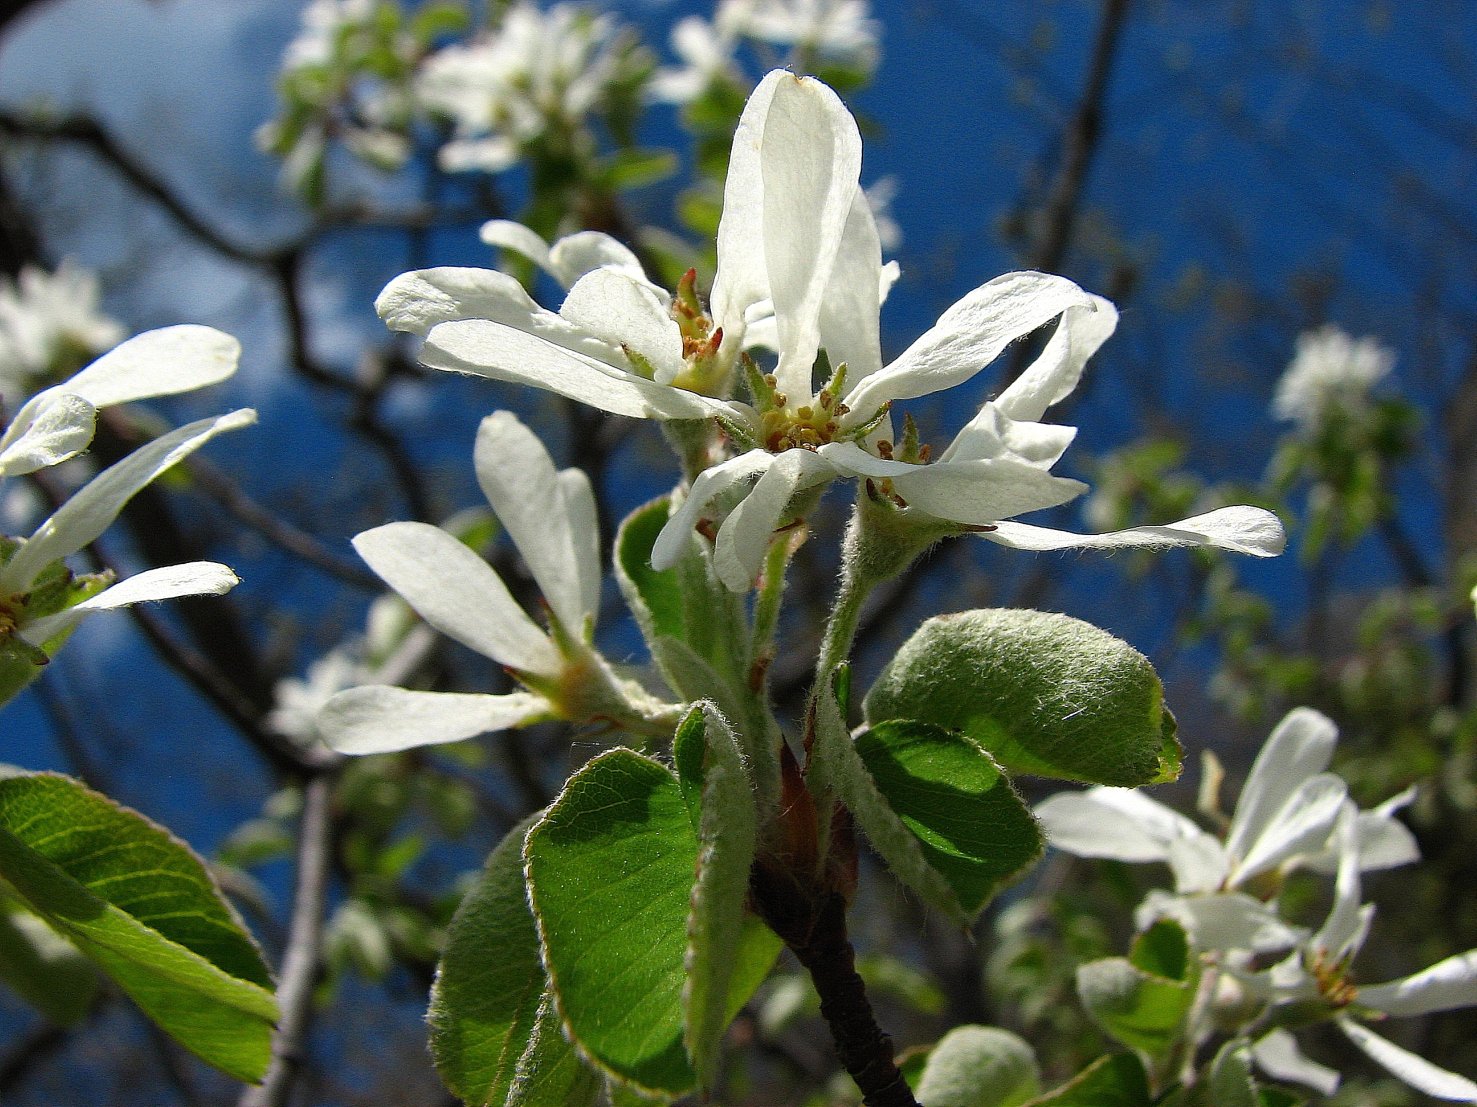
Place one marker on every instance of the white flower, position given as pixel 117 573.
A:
pixel 537 70
pixel 800 271
pixel 550 516
pixel 1285 819
pixel 1319 971
pixel 49 324
pixel 706 51
pixel 54 425
pixel 324 24
pixel 1330 372
pixel 839 31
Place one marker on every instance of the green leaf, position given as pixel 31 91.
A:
pixel 550 1072
pixel 979 1066
pixel 1139 1009
pixel 1044 694
pixel 142 907
pixel 837 769
pixel 45 969
pixel 727 834
pixel 973 827
pixel 490 982
pixel 628 169
pixel 1117 1080
pixel 655 597
pixel 610 875
pixel 1164 950
pixel 1228 1083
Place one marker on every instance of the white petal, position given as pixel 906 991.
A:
pixel 583 252
pixel 1222 921
pixel 853 297
pixel 502 353
pixel 417 302
pixel 584 525
pixel 627 314
pixel 1347 924
pixel 517 475
pixel 504 234
pixel 1302 825
pixel 90 511
pixel 1199 864
pixel 1055 373
pixel 982 493
pixel 381 719
pixel 60 426
pixel 1445 985
pixel 1415 1071
pixel 1300 746
pixel 194 578
pixel 810 164
pixel 710 483
pixel 158 363
pixel 457 593
pixel 1117 823
pixel 743 539
pixel 968 337
pixel 992 433
pixel 742 278
pixel 1248 530
pixel 1276 1053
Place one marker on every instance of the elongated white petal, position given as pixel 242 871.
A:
pixel 59 427
pixel 418 302
pixel 1304 824
pixel 744 536
pixel 1444 986
pixel 1052 377
pixel 1117 823
pixel 1277 1054
pixel 517 475
pixel 710 483
pixel 1343 931
pixel 457 593
pixel 1248 530
pixel 382 719
pixel 1300 746
pixel 742 278
pixel 583 252
pixel 626 313
pixel 1199 864
pixel 161 362
pixel 992 433
pixel 1384 841
pixel 194 578
pixel 504 234
pixel 502 353
pixel 810 163
pixel 968 337
pixel 853 296
pixel 983 492
pixel 584 526
pixel 1415 1071
pixel 1222 921
pixel 90 511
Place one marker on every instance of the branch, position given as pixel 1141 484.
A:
pixel 304 947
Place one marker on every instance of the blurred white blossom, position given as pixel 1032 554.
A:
pixel 50 325
pixel 841 32
pixel 706 51
pixel 1331 372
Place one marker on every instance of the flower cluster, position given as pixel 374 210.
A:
pixel 1330 373
pixel 1292 814
pixel 50 326
pixel 40 599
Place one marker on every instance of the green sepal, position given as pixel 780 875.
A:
pixel 1044 694
pixel 139 904
pixel 1116 1080
pixel 979 1066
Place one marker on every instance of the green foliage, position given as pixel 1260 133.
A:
pixel 1117 1080
pixel 141 906
pixel 1044 694
pixel 1138 1008
pixel 979 1066
pixel 43 968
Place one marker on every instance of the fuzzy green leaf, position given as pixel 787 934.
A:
pixel 1164 950
pixel 654 596
pixel 1139 1009
pixel 1117 1080
pixel 610 876
pixel 142 907
pixel 1044 694
pixel 550 1073
pixel 979 1066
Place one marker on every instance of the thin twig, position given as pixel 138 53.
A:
pixel 304 947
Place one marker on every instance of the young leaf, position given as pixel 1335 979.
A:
pixel 141 906
pixel 1117 1080
pixel 1044 694
pixel 1229 1082
pixel 1163 949
pixel 610 875
pixel 654 596
pixel 550 1073
pixel 973 827
pixel 490 981
pixel 1138 1008
pixel 979 1066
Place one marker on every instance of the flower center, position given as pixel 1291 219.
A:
pixel 1332 978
